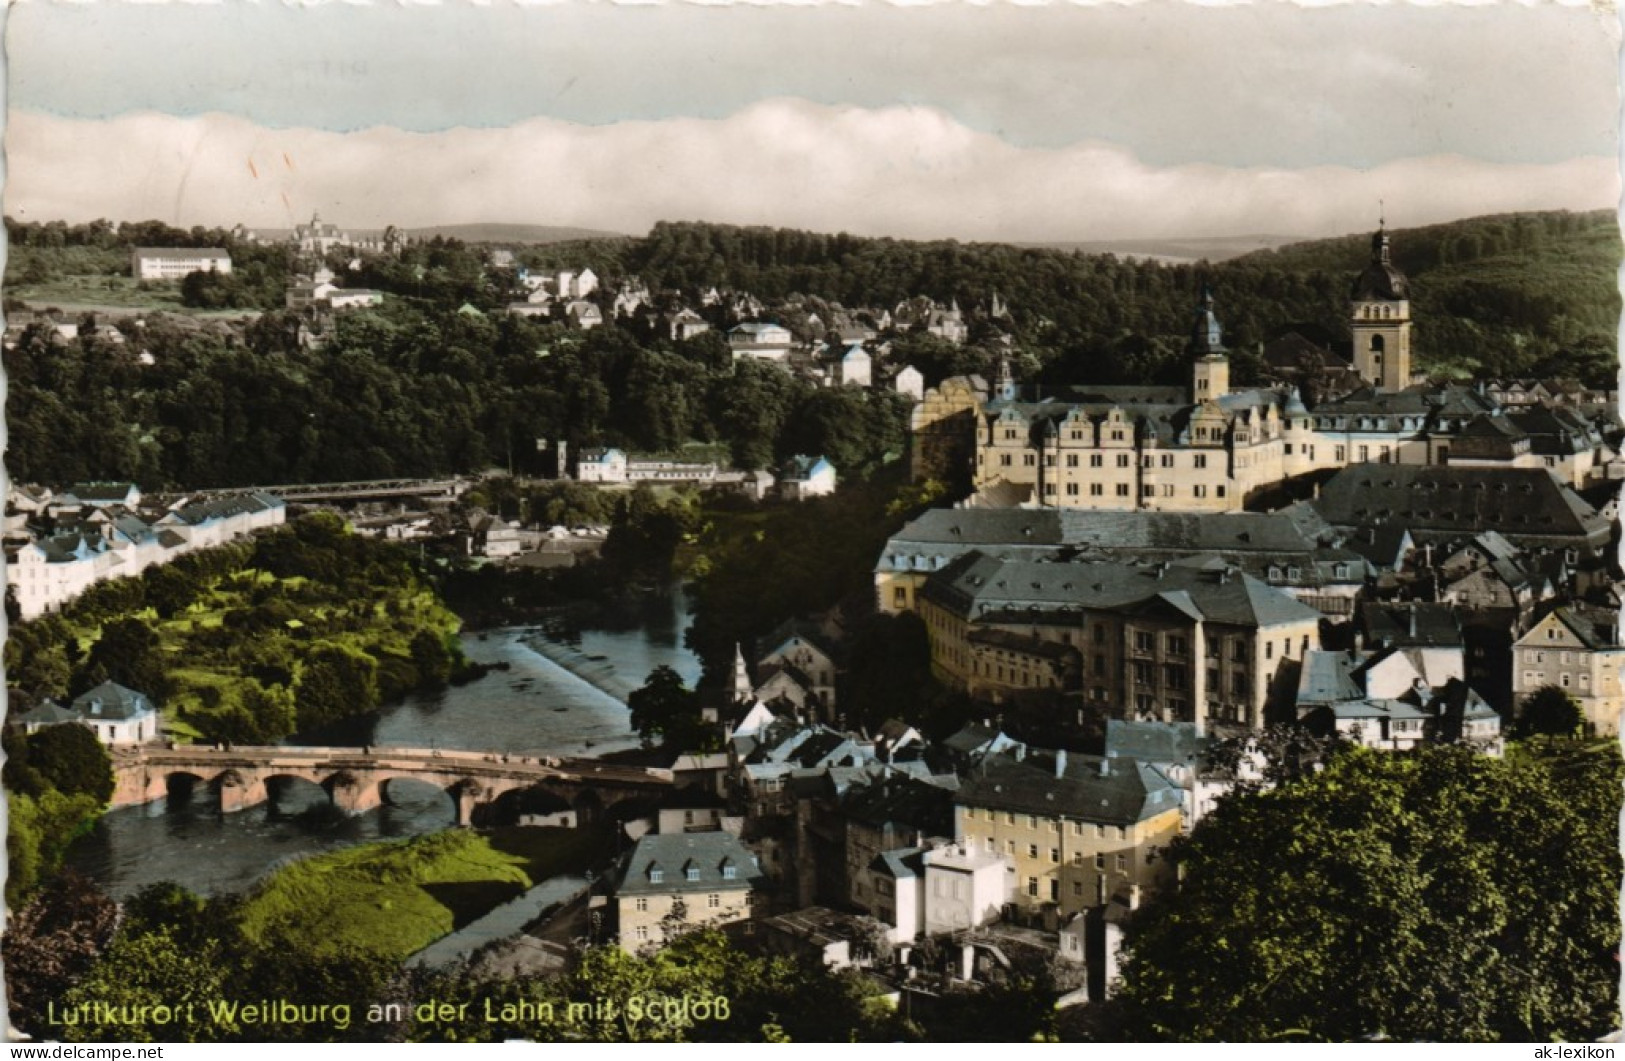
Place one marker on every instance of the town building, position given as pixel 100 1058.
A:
pixel 116 715
pixel 673 882
pixel 805 477
pixel 1193 641
pixel 176 263
pixel 761 340
pixel 1073 828
pixel 1295 551
pixel 1577 649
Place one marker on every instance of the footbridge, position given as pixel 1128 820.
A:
pixel 358 779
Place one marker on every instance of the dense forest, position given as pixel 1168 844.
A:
pixel 438 380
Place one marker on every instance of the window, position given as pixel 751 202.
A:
pixel 692 873
pixel 1122 489
pixel 1071 489
pixel 1199 491
pixel 1009 818
pixel 1077 858
pixel 1144 642
pixel 1167 460
pixel 642 932
pixel 1177 645
pixel 1269 650
pixel 656 875
pixel 1100 860
pixel 729 872
pixel 1028 460
pixel 1341 452
pixel 1032 887
pixel 1218 491
pixel 1096 460
pixel 1004 460
pixel 1096 490
pixel 1054 890
pixel 713 901
pixel 899 597
pixel 1032 823
pixel 642 906
pixel 1122 863
pixel 1032 850
pixel 1122 460
pixel 1055 854
pixel 1201 460
pixel 1122 832
pixel 1100 832
pixel 1071 460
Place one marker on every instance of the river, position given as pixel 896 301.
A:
pixel 554 698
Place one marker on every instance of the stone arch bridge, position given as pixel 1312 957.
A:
pixel 357 779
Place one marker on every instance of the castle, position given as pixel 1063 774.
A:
pixel 1211 447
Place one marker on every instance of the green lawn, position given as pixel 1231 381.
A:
pixel 394 898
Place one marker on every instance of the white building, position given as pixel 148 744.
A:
pixel 175 263
pixel 805 477
pixel 602 466
pixel 115 714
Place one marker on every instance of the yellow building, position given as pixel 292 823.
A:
pixel 1074 829
pixel 680 881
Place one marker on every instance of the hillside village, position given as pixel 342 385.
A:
pixel 1144 591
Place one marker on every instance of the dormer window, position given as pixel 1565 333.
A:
pixel 729 871
pixel 656 874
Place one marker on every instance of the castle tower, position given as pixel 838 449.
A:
pixel 1211 371
pixel 1006 389
pixel 1380 320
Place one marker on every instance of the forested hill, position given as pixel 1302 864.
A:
pixel 1509 294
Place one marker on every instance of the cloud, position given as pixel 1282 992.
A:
pixel 911 172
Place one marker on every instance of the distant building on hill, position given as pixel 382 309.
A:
pixel 176 263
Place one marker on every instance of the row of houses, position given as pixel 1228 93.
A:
pixel 58 546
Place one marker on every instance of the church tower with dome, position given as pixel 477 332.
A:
pixel 1380 318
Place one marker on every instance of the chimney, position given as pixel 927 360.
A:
pixel 1060 763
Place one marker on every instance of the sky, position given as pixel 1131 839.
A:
pixel 999 121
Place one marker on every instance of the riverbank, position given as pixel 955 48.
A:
pixel 394 899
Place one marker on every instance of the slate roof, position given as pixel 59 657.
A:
pixel 707 854
pixel 1595 627
pixel 1248 538
pixel 900 864
pixel 1153 742
pixel 48 713
pixel 1517 502
pixel 1124 792
pixel 894 800
pixel 1414 624
pixel 987 588
pixel 112 701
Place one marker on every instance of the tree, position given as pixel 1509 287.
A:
pixel 1439 895
pixel 1549 710
pixel 50 945
pixel 73 761
pixel 665 708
